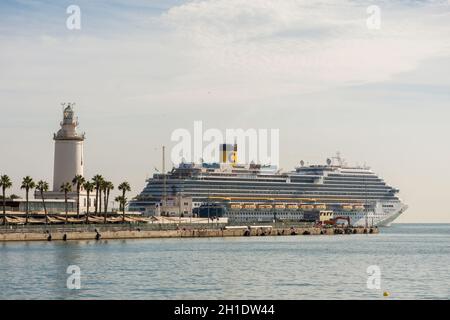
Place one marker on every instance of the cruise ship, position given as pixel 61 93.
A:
pixel 254 192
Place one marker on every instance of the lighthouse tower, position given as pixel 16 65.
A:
pixel 68 149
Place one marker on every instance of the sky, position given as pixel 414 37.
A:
pixel 138 70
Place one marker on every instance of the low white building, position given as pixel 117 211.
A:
pixel 72 196
pixel 19 206
pixel 172 207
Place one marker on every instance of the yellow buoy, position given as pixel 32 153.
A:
pixel 385 294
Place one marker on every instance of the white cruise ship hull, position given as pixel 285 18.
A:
pixel 383 215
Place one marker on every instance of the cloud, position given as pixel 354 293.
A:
pixel 279 47
pixel 215 50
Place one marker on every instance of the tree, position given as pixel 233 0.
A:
pixel 78 181
pixel 66 188
pixel 122 202
pixel 100 191
pixel 5 183
pixel 107 187
pixel 27 184
pixel 124 187
pixel 42 186
pixel 97 180
pixel 119 200
pixel 89 187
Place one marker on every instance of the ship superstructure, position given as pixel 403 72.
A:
pixel 255 192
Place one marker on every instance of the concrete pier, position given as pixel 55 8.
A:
pixel 138 233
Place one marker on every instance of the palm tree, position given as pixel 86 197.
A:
pixel 78 181
pixel 97 180
pixel 100 191
pixel 89 187
pixel 66 188
pixel 119 200
pixel 107 187
pixel 5 183
pixel 42 186
pixel 27 184
pixel 124 187
pixel 122 202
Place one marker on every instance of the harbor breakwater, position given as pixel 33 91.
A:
pixel 114 232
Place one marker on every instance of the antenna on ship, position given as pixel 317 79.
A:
pixel 338 158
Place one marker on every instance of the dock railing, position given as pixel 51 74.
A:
pixel 49 228
pixel 109 227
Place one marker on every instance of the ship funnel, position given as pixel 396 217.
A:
pixel 228 153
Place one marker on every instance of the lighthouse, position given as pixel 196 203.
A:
pixel 68 160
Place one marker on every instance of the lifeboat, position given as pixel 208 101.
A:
pixel 280 206
pixel 307 206
pixel 359 207
pixel 250 206
pixel 347 207
pixel 265 206
pixel 292 206
pixel 236 206
pixel 321 207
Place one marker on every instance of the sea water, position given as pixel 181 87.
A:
pixel 412 262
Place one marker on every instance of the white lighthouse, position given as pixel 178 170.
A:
pixel 68 150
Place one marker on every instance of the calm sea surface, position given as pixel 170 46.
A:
pixel 414 261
